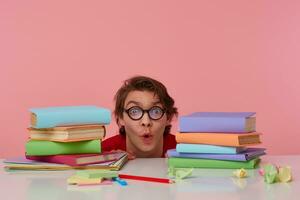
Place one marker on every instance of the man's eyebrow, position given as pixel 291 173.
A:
pixel 134 102
pixel 157 102
pixel 139 104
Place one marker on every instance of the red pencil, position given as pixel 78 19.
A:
pixel 145 178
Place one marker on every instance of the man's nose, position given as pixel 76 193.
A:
pixel 146 121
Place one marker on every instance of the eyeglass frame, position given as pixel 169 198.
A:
pixel 144 110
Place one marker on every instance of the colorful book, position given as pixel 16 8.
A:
pixel 235 122
pixel 223 139
pixel 205 148
pixel 21 163
pixel 50 117
pixel 44 148
pixel 209 163
pixel 246 155
pixel 79 159
pixel 68 133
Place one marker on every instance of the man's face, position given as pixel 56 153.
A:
pixel 144 135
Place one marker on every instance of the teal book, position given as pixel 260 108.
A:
pixel 44 148
pixel 209 163
pixel 204 148
pixel 49 117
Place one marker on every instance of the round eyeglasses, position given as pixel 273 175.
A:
pixel 136 112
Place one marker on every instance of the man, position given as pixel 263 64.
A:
pixel 143 111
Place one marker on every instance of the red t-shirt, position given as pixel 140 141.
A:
pixel 119 142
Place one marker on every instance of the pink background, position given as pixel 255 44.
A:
pixel 212 55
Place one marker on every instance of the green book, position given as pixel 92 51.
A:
pixel 209 163
pixel 43 148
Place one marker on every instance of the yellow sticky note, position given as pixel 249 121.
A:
pixel 240 173
pixel 284 174
pixel 73 180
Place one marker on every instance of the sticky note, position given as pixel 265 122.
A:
pixel 240 173
pixel 284 174
pixel 94 173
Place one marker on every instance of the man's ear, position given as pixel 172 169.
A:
pixel 121 122
pixel 169 122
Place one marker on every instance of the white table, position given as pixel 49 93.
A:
pixel 205 184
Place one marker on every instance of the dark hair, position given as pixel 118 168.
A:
pixel 143 83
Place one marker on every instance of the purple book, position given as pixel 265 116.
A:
pixel 246 155
pixel 231 122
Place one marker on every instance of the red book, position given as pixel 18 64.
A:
pixel 79 159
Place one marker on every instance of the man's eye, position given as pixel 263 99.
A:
pixel 134 111
pixel 156 111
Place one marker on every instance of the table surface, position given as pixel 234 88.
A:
pixel 203 184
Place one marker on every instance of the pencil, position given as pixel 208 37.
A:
pixel 145 178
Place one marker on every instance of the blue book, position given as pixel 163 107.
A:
pixel 234 122
pixel 204 148
pixel 50 117
pixel 248 154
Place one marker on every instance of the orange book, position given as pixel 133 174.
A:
pixel 223 139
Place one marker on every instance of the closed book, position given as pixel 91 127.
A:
pixel 50 117
pixel 248 154
pixel 209 163
pixel 79 159
pixel 236 122
pixel 44 148
pixel 223 139
pixel 205 148
pixel 21 163
pixel 68 133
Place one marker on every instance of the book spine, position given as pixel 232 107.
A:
pixel 198 138
pixel 212 124
pixel 198 148
pixel 71 117
pixel 40 148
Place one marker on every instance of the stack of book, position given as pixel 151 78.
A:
pixel 68 135
pixel 216 140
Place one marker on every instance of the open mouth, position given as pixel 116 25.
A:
pixel 147 138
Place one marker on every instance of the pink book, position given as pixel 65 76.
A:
pixel 79 159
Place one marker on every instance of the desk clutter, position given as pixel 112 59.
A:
pixel 62 138
pixel 65 138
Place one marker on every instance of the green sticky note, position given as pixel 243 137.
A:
pixel 179 173
pixel 97 173
pixel 271 173
pixel 183 173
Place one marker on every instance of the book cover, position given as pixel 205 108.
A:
pixel 68 133
pixel 50 117
pixel 44 148
pixel 223 139
pixel 79 159
pixel 246 155
pixel 205 148
pixel 236 122
pixel 209 163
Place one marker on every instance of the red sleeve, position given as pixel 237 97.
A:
pixel 114 143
